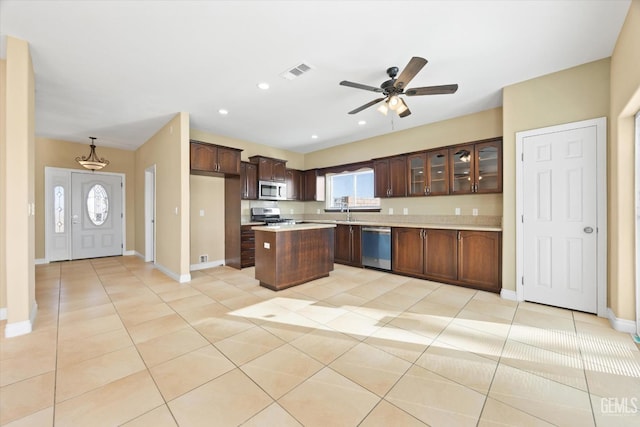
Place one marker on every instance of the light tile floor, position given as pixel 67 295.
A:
pixel 116 342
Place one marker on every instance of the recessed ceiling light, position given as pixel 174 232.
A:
pixel 263 85
pixel 362 122
pixel 314 136
pixel 223 112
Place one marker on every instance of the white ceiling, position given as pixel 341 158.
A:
pixel 118 70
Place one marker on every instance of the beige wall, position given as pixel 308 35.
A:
pixel 62 154
pixel 168 149
pixel 18 142
pixel 207 232
pixel 3 238
pixel 571 95
pixel 625 102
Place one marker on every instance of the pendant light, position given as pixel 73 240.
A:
pixel 92 161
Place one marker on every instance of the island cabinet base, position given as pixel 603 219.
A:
pixel 290 258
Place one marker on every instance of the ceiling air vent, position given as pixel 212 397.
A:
pixel 296 71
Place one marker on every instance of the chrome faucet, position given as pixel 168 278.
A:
pixel 345 205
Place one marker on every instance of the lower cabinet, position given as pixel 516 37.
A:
pixel 247 246
pixel 468 258
pixel 348 246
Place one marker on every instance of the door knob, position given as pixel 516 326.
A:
pixel 588 230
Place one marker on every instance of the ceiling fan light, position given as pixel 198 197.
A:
pixel 394 102
pixel 383 108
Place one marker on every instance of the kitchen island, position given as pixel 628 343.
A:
pixel 289 255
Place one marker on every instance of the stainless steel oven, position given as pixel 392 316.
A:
pixel 268 190
pixel 376 247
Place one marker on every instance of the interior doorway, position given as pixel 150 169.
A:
pixel 561 216
pixel 84 214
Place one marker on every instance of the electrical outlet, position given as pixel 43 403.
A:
pixel 475 212
pixel 390 211
pixel 204 258
pixel 267 245
pixel 291 211
pixel 457 211
pixel 201 212
pixel 318 211
pixel 405 211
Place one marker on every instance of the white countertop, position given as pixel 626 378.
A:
pixel 411 225
pixel 292 227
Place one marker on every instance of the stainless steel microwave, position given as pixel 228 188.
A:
pixel 268 190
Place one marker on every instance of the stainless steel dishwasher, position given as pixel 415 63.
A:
pixel 376 247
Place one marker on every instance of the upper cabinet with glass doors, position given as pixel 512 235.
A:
pixel 428 173
pixel 476 168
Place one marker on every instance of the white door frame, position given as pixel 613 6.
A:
pixel 150 214
pixel 637 206
pixel 601 203
pixel 48 207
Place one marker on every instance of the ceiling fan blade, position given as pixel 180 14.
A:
pixel 365 106
pixel 360 86
pixel 432 90
pixel 413 67
pixel 405 112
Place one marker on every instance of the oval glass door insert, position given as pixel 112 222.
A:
pixel 97 204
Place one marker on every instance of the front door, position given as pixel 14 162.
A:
pixel 559 218
pixel 84 214
pixel 96 215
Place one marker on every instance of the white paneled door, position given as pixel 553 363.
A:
pixel 560 218
pixel 84 214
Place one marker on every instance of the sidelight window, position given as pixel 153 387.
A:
pixel 58 208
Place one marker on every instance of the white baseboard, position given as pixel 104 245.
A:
pixel 205 265
pixel 621 325
pixel 138 254
pixel 39 261
pixel 3 313
pixel 508 294
pixel 128 253
pixel 182 278
pixel 23 327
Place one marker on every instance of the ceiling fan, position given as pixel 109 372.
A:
pixel 392 88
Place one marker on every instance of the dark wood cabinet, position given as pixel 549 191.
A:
pixel 431 253
pixel 428 173
pixel 390 176
pixel 214 159
pixel 348 245
pixel 270 169
pixel 295 184
pixel 407 250
pixel 476 168
pixel 313 186
pixel 441 260
pixel 247 246
pixel 249 181
pixel 467 258
pixel 479 259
